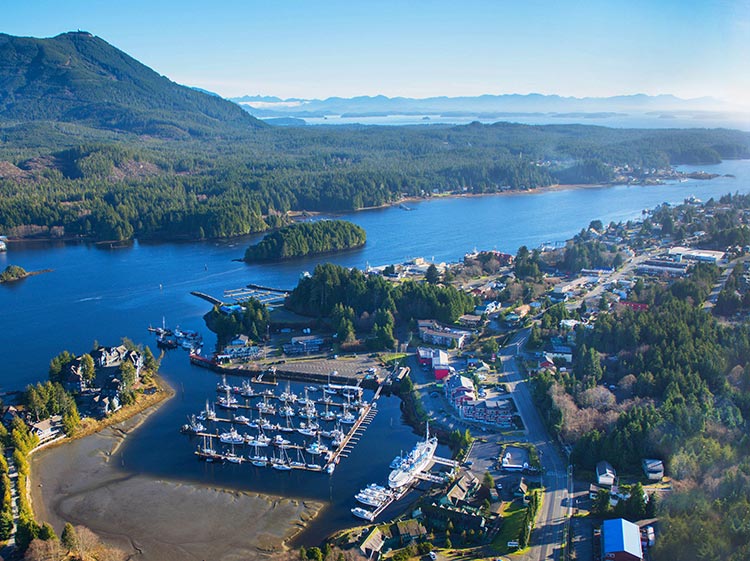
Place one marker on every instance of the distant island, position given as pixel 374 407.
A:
pixel 307 238
pixel 15 273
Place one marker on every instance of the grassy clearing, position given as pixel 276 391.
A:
pixel 513 515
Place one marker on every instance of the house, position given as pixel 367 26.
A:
pixel 522 489
pixel 74 381
pixel 112 357
pixel 408 531
pixel 470 320
pixel 433 333
pixel 605 474
pixel 461 490
pixel 375 541
pixel 654 469
pixel 621 541
pixel 48 429
pixel 562 352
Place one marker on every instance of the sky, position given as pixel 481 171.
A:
pixel 419 48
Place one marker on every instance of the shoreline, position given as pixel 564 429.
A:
pixel 85 481
pixel 298 215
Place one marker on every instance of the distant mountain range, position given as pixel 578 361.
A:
pixel 543 108
pixel 79 78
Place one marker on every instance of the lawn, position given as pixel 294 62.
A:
pixel 513 515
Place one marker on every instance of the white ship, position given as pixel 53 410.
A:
pixel 414 462
pixel 363 513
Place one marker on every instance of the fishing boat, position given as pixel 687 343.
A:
pixel 241 419
pixel 208 414
pixel 232 437
pixel 287 395
pixel 222 386
pixel 286 411
pixel 328 415
pixel 232 457
pixel 314 467
pixel 281 442
pixel 193 426
pixel 246 390
pixel 348 418
pixel 228 401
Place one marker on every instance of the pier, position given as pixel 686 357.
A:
pixel 207 298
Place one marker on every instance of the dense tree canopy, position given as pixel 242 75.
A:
pixel 306 238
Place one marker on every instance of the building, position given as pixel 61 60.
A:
pixel 461 491
pixel 459 390
pixel 654 469
pixel 303 345
pixel 433 333
pixel 659 267
pixel 112 357
pixel 440 366
pixel 48 429
pixel 470 320
pixel 492 411
pixel 621 541
pixel 605 474
pixel 691 254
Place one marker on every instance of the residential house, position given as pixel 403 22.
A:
pixel 605 474
pixel 470 320
pixel 74 381
pixel 409 531
pixel 48 429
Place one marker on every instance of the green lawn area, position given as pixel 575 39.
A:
pixel 513 515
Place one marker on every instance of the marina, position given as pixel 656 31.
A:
pixel 319 442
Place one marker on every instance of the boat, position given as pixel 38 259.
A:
pixel 259 461
pixel 330 469
pixel 299 463
pixel 286 411
pixel 208 414
pixel 281 442
pixel 312 388
pixel 281 463
pixel 348 418
pixel 314 467
pixel 232 437
pixel 165 343
pixel 414 462
pixel 232 457
pixel 241 419
pixel 222 386
pixel 193 426
pixel 316 448
pixel 372 499
pixel 363 513
pixel 228 401
pixel 328 415
pixel 247 390
pixel 288 427
pixel 287 395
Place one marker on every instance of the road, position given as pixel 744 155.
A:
pixel 547 538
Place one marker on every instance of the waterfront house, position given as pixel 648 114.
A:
pixel 113 357
pixel 48 429
pixel 74 381
pixel 605 474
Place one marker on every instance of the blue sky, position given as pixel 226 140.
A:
pixel 417 48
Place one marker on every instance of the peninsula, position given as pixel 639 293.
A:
pixel 307 238
pixel 15 273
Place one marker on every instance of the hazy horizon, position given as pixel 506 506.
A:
pixel 298 49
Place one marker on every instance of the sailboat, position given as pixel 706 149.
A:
pixel 282 462
pixel 299 463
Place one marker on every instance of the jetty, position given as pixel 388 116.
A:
pixel 207 297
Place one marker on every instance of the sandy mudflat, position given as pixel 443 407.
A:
pixel 156 519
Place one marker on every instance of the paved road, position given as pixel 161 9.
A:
pixel 547 538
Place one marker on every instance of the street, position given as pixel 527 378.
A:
pixel 547 538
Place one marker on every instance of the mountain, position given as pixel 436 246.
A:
pixel 638 110
pixel 79 78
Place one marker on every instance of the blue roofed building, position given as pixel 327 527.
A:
pixel 621 541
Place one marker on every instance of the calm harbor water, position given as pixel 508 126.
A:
pixel 104 295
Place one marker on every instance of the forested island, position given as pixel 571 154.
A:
pixel 15 273
pixel 306 238
pixel 131 154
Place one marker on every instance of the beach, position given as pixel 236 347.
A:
pixel 83 482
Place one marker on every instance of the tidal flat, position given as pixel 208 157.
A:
pixel 83 482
